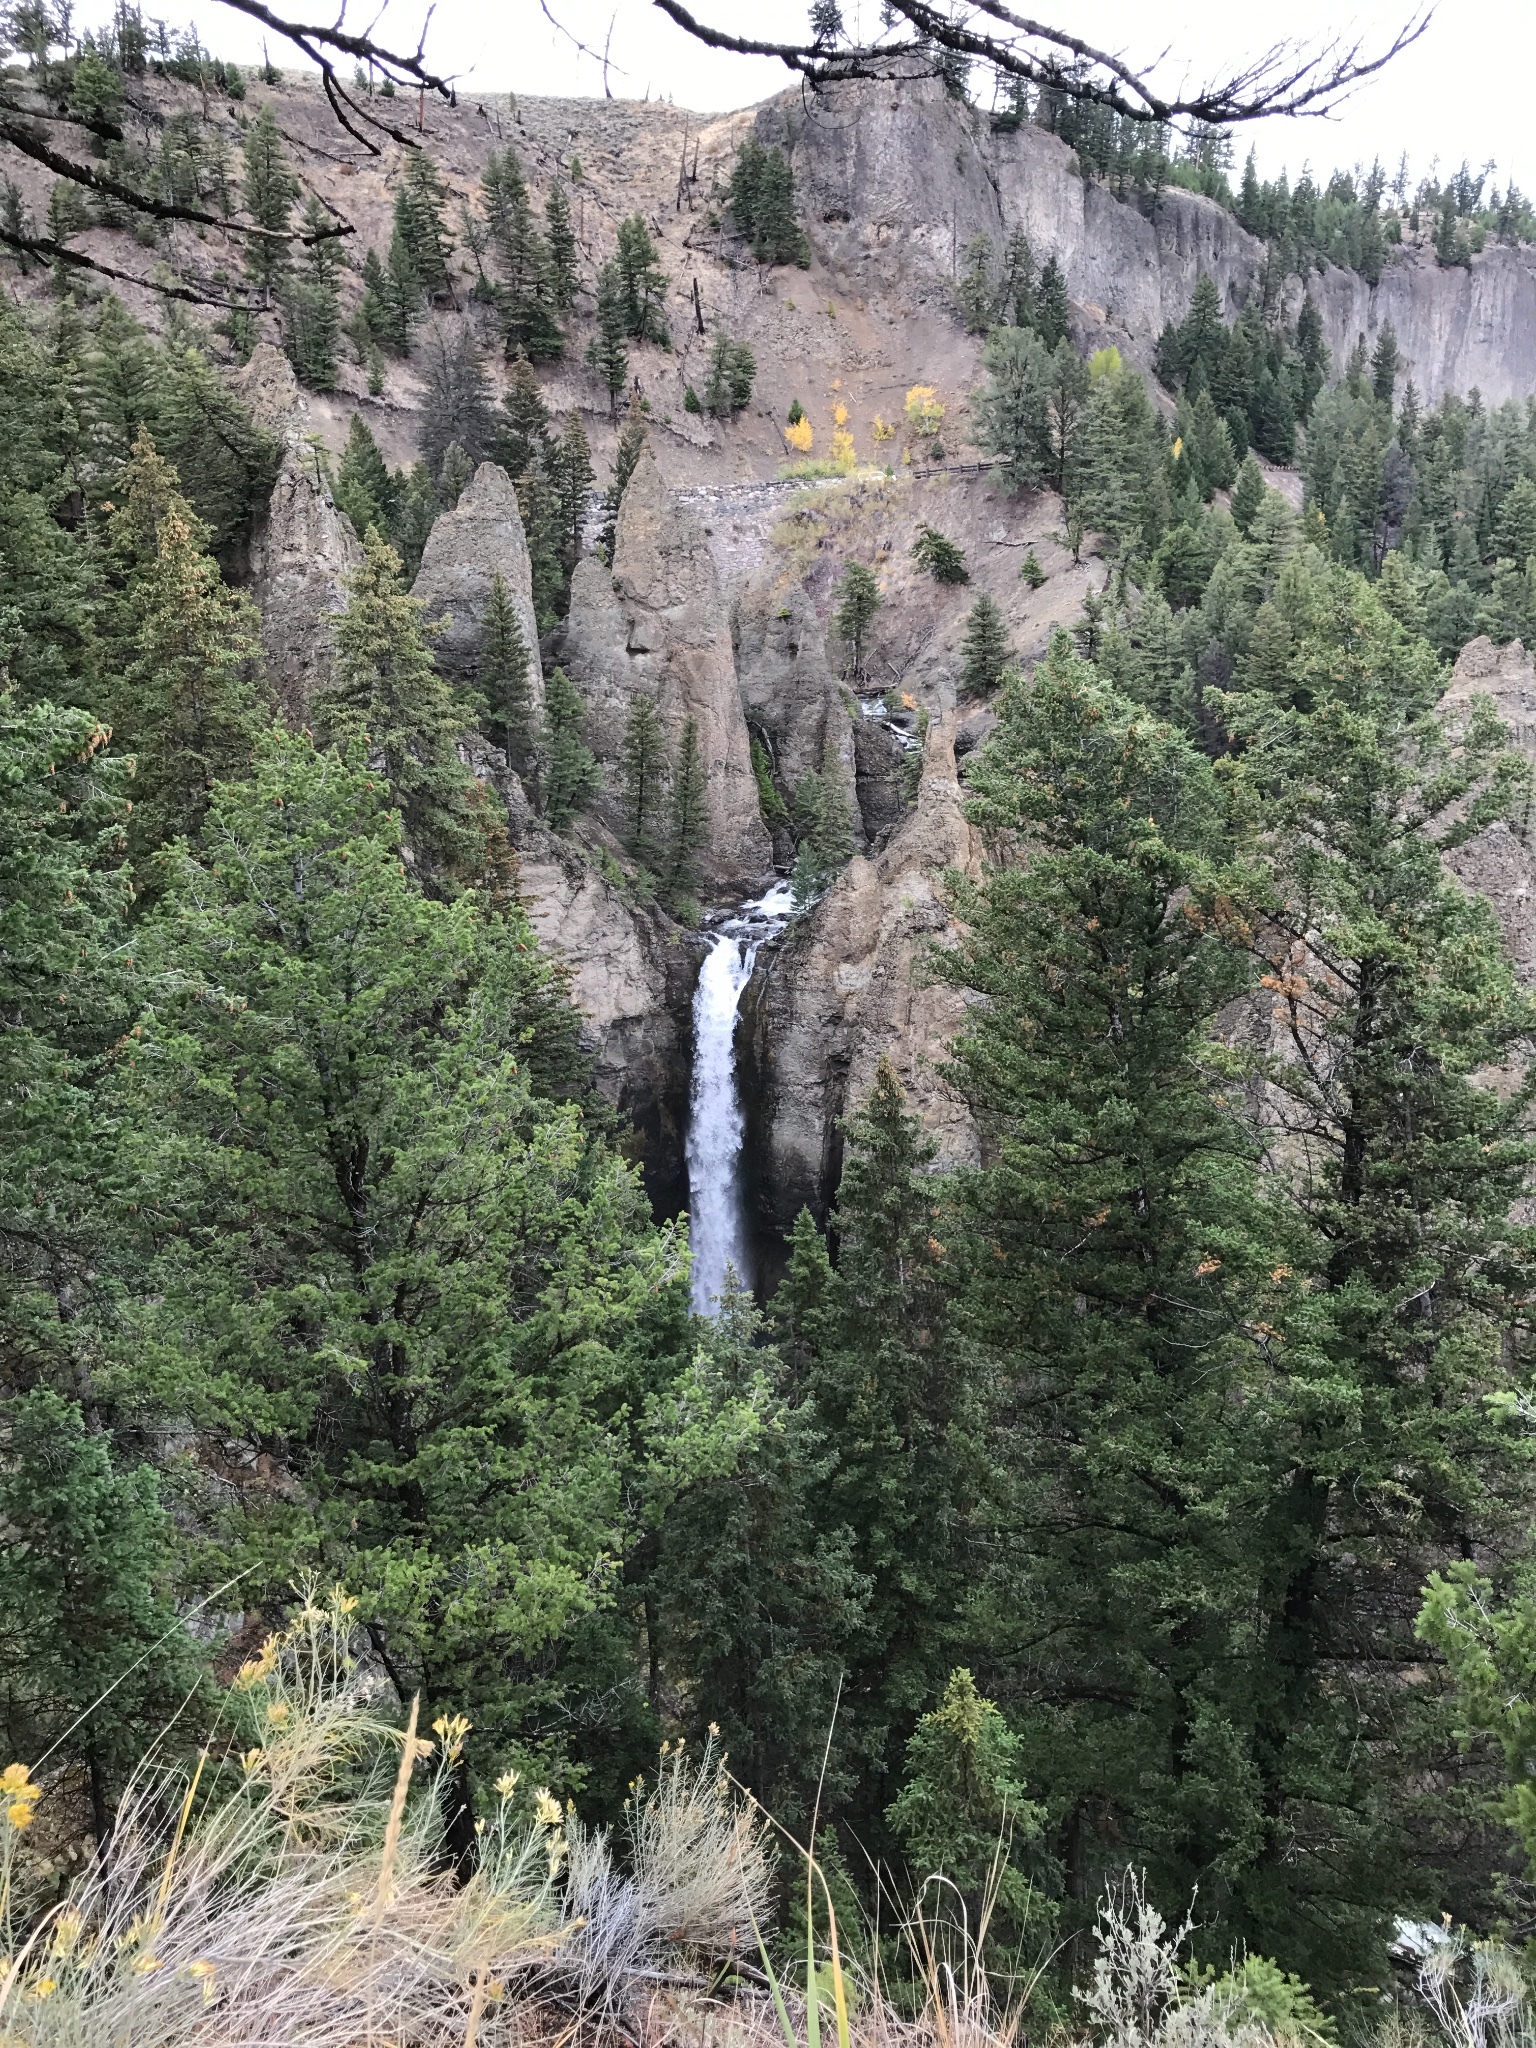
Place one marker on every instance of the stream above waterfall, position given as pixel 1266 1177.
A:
pixel 716 1125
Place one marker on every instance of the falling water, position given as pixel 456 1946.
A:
pixel 717 1222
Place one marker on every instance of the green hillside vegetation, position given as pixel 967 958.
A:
pixel 1132 1524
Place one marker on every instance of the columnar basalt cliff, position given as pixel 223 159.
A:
pixel 898 182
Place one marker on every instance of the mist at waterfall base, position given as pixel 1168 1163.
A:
pixel 717 1222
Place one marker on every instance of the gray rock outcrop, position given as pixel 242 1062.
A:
pixel 844 988
pixel 302 549
pixel 660 624
pixel 1498 863
pixel 632 977
pixel 896 182
pixel 789 692
pixel 467 548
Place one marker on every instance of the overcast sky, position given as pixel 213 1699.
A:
pixel 1462 91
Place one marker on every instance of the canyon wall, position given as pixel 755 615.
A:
pixel 896 183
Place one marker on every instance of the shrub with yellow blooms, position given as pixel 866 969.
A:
pixel 925 411
pixel 800 435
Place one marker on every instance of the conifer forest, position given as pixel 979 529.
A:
pixel 767 1104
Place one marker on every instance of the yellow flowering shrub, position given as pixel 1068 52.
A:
pixel 800 436
pixel 925 410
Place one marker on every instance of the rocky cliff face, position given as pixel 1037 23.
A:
pixel 480 539
pixel 898 182
pixel 661 624
pixel 302 549
pixel 1499 863
pixel 847 985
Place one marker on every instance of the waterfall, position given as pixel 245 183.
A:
pixel 717 1218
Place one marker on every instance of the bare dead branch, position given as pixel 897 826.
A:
pixel 1289 78
pixel 48 251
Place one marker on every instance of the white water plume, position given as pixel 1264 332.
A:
pixel 717 1217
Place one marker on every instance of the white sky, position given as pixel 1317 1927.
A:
pixel 1462 91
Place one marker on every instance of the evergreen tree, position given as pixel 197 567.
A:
pixel 416 512
pixel 571 475
pixel 1051 314
pixel 858 599
pixel 269 190
pixel 728 386
pixel 506 689
pixel 939 556
pixel 1384 364
pixel 456 404
pixel 312 305
pixel 1013 422
pixel 626 456
pixel 1118 1250
pixel 454 475
pixel 975 294
pixel 606 351
pixel 368 1287
pixel 544 530
pixel 761 200
pixel 642 282
pixel 402 296
pixel 389 695
pixel 527 288
pixel 571 774
pixel 645 771
pixel 1247 495
pixel 823 821
pixel 521 440
pixel 1016 294
pixel 421 223
pixel 95 1662
pixel 985 652
pixel 688 823
pixel 561 239
pixel 365 490
pixel 187 705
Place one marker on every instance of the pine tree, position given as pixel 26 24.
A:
pixel 312 305
pixel 626 456
pixel 563 274
pixel 421 222
pixel 269 190
pixel 365 490
pixel 975 294
pixel 456 404
pixel 416 512
pixel 402 296
pixel 526 287
pixel 761 200
pixel 388 693
pixel 571 474
pixel 1247 495
pixel 521 440
pixel 939 556
pixel 571 775
pixel 454 474
pixel 1013 422
pixel 823 821
pixel 606 351
pixel 505 685
pixel 858 599
pixel 1016 293
pixel 1119 1245
pixel 1384 364
pixel 728 385
pixel 645 770
pixel 642 282
pixel 1051 313
pixel 187 704
pixel 544 531
pixel 688 824
pixel 985 652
